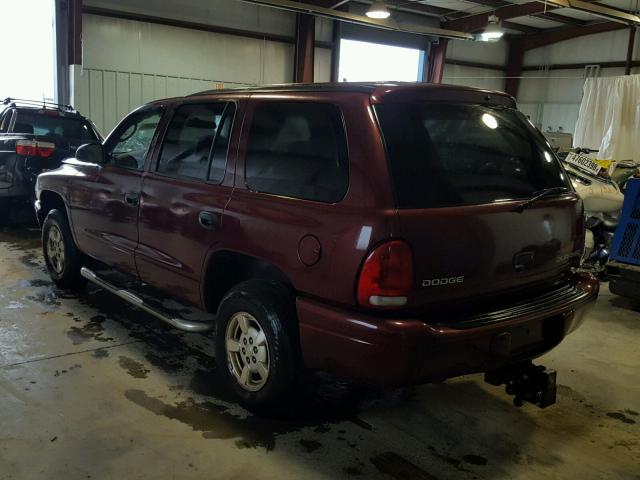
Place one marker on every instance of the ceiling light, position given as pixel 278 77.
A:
pixel 378 10
pixel 492 32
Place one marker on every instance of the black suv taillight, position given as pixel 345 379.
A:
pixel 33 148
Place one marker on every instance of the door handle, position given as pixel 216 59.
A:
pixel 209 220
pixel 132 198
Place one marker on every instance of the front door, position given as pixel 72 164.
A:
pixel 105 205
pixel 183 198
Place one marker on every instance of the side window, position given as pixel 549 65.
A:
pixel 129 146
pixel 195 132
pixel 5 120
pixel 298 150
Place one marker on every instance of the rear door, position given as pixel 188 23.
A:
pixel 459 171
pixel 104 206
pixel 184 196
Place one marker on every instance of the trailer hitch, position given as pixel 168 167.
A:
pixel 527 383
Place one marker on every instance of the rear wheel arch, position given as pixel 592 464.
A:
pixel 226 268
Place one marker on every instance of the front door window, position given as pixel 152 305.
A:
pixel 129 146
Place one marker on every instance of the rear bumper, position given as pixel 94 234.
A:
pixel 411 351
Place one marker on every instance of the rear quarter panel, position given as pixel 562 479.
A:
pixel 279 229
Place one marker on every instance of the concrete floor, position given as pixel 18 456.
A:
pixel 90 388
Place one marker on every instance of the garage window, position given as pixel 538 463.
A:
pixel 298 150
pixel 196 134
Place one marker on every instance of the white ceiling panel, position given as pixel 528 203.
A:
pixel 536 22
pixel 631 5
pixel 458 5
pixel 578 14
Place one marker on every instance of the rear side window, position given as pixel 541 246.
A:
pixel 298 150
pixel 5 120
pixel 196 134
pixel 50 124
pixel 447 155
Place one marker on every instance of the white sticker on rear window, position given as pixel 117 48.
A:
pixel 583 162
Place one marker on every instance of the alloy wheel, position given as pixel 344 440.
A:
pixel 55 249
pixel 247 351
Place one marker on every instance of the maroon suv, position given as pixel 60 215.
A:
pixel 395 234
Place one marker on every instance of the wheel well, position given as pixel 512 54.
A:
pixel 48 201
pixel 227 269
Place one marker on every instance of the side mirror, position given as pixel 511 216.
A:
pixel 91 153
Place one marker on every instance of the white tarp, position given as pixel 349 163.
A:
pixel 609 118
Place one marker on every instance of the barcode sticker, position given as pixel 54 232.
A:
pixel 583 162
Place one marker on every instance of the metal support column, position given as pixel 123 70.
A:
pixel 515 58
pixel 632 41
pixel 304 53
pixel 436 60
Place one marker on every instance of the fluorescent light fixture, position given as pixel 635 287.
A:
pixel 492 32
pixel 378 10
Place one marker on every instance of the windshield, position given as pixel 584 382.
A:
pixel 447 155
pixel 52 126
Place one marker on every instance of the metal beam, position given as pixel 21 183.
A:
pixel 388 24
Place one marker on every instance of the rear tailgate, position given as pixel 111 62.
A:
pixel 486 251
pixel 459 172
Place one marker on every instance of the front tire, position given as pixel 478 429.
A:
pixel 61 256
pixel 256 345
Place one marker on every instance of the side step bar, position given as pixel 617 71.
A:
pixel 179 323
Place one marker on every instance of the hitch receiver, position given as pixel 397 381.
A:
pixel 527 383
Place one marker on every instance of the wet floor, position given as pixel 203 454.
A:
pixel 91 388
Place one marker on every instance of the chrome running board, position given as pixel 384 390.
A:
pixel 135 300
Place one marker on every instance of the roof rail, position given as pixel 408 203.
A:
pixel 36 103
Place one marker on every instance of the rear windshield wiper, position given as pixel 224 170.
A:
pixel 538 196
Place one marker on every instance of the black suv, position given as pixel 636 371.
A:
pixel 36 136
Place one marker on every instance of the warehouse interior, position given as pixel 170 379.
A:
pixel 94 387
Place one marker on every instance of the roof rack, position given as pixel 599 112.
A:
pixel 36 103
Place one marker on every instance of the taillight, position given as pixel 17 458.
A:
pixel 386 277
pixel 33 148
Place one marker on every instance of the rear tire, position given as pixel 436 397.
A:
pixel 61 255
pixel 257 345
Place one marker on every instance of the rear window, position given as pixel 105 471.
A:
pixel 298 150
pixel 51 126
pixel 448 155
